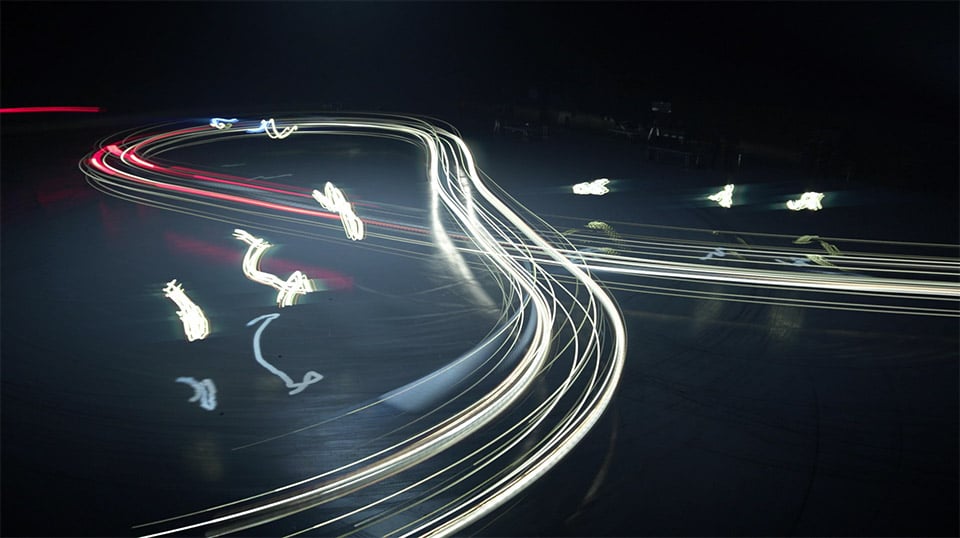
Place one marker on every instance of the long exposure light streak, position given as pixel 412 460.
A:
pixel 561 330
pixel 270 127
pixel 287 290
pixel 195 323
pixel 295 387
pixel 222 123
pixel 204 392
pixel 332 199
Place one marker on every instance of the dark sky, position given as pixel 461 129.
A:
pixel 873 57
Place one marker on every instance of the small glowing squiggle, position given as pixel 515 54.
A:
pixel 270 127
pixel 204 391
pixel 222 123
pixel 195 324
pixel 332 199
pixel 808 200
pixel 309 378
pixel 597 187
pixel 718 252
pixel 724 197
pixel 287 290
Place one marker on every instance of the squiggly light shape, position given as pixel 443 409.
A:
pixel 195 324
pixel 204 391
pixel 270 127
pixel 332 199
pixel 309 378
pixel 807 200
pixel 287 290
pixel 597 187
pixel 724 197
pixel 222 123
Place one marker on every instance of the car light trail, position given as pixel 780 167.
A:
pixel 195 324
pixel 557 319
pixel 48 109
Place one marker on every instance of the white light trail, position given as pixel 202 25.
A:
pixel 332 199
pixel 195 324
pixel 287 290
pixel 203 391
pixel 309 378
pixel 596 187
pixel 724 197
pixel 270 127
pixel 807 200
pixel 222 123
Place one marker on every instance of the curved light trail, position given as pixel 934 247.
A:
pixel 561 328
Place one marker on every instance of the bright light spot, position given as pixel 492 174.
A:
pixel 223 123
pixel 808 200
pixel 287 290
pixel 204 391
pixel 195 324
pixel 597 187
pixel 332 199
pixel 309 378
pixel 724 197
pixel 270 127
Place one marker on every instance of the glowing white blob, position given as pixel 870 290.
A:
pixel 724 197
pixel 287 290
pixel 270 127
pixel 808 200
pixel 204 391
pixel 195 324
pixel 222 123
pixel 332 199
pixel 309 378
pixel 597 187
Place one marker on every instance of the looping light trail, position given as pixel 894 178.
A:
pixel 195 324
pixel 309 378
pixel 270 127
pixel 332 199
pixel 287 290
pixel 222 123
pixel 203 391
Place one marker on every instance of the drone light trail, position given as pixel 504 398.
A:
pixel 332 199
pixel 203 391
pixel 724 197
pixel 807 200
pixel 287 290
pixel 195 324
pixel 270 127
pixel 596 187
pixel 222 123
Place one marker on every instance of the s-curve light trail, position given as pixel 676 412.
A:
pixel 571 329
pixel 480 441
